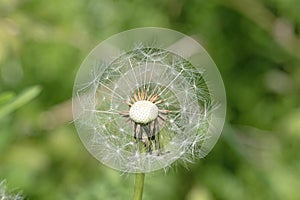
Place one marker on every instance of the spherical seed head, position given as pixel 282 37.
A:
pixel 143 112
pixel 155 60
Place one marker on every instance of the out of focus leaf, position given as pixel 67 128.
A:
pixel 25 97
pixel 6 96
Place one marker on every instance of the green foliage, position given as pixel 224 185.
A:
pixel 254 43
pixel 9 103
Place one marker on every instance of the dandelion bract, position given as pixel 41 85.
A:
pixel 146 97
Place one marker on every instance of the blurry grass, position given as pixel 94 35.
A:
pixel 11 103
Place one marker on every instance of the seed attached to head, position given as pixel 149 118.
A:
pixel 146 118
pixel 143 112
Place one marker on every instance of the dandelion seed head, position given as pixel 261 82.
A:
pixel 8 195
pixel 142 100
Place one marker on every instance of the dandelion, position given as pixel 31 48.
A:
pixel 5 195
pixel 147 97
pixel 145 117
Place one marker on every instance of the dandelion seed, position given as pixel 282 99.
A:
pixel 145 102
pixel 7 195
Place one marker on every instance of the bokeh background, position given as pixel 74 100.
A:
pixel 256 46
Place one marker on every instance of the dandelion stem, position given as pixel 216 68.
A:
pixel 138 186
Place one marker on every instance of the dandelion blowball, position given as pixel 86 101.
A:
pixel 147 97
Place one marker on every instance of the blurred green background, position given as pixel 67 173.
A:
pixel 256 46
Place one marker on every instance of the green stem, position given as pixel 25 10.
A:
pixel 138 186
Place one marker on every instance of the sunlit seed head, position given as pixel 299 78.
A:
pixel 147 97
pixel 143 112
